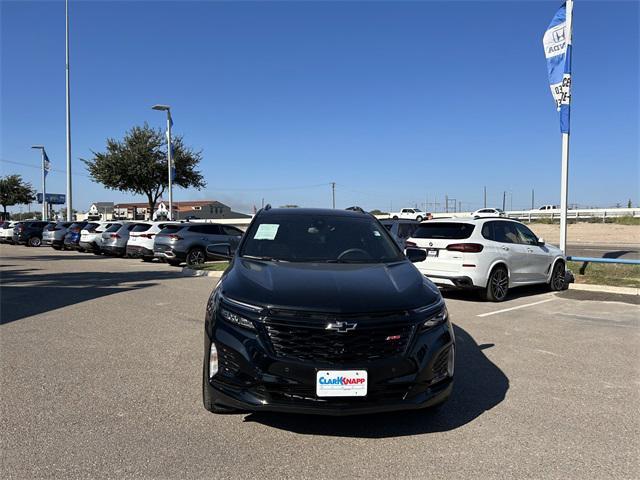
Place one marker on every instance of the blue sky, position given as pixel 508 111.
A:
pixel 397 102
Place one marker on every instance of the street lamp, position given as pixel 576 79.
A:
pixel 45 213
pixel 169 160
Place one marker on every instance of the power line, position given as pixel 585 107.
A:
pixel 38 167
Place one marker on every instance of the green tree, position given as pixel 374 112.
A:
pixel 378 212
pixel 15 191
pixel 138 164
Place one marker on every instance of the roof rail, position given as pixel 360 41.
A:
pixel 356 209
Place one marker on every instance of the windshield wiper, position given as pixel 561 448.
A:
pixel 268 259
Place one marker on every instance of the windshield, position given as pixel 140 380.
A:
pixel 319 238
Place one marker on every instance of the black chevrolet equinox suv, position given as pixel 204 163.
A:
pixel 320 312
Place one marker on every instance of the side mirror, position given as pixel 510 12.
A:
pixel 219 250
pixel 415 254
pixel 541 241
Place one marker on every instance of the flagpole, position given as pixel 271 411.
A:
pixel 69 199
pixel 564 187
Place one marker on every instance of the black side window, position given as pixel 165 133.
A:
pixel 505 232
pixel 525 235
pixel 232 231
pixel 405 230
pixel 197 229
pixel 213 230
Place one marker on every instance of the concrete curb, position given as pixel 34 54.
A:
pixel 605 289
pixel 190 272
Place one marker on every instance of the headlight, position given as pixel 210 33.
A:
pixel 438 319
pixel 236 319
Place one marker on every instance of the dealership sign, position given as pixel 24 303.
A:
pixel 53 198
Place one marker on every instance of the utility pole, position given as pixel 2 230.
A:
pixel 170 167
pixel 504 199
pixel 533 196
pixel 485 197
pixel 69 189
pixel 446 204
pixel 333 193
pixel 45 170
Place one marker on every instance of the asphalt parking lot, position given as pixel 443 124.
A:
pixel 101 377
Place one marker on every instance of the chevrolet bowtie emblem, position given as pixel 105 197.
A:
pixel 342 327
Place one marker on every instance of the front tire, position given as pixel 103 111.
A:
pixel 557 281
pixel 419 218
pixel 34 242
pixel 395 217
pixel 497 285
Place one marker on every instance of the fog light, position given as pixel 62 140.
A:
pixel 213 361
pixel 451 361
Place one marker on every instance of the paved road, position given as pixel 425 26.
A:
pixel 100 377
pixel 628 251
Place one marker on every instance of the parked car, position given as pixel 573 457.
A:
pixel 53 234
pixel 115 238
pixel 489 212
pixel 400 230
pixel 548 208
pixel 6 231
pixel 91 236
pixel 320 312
pixel 491 254
pixel 29 233
pixel 412 214
pixel 187 242
pixel 72 237
pixel 142 238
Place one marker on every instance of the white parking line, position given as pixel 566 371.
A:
pixel 516 308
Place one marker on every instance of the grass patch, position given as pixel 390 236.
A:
pixel 612 274
pixel 211 267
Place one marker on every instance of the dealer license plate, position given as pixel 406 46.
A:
pixel 432 252
pixel 341 383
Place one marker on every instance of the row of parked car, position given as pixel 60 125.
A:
pixel 172 242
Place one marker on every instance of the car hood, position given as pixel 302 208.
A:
pixel 335 288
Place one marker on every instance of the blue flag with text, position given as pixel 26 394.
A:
pixel 557 50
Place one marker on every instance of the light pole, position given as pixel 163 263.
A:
pixel 68 110
pixel 169 160
pixel 45 213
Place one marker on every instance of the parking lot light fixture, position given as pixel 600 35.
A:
pixel 167 108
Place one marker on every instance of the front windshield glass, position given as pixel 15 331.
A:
pixel 319 238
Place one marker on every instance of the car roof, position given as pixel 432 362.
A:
pixel 313 211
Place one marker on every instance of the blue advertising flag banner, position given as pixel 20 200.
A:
pixel 47 163
pixel 557 50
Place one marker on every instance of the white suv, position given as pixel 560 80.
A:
pixel 493 254
pixel 142 237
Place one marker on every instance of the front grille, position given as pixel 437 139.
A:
pixel 312 342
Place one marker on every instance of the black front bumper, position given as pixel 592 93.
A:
pixel 251 378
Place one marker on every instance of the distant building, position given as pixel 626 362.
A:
pixel 202 209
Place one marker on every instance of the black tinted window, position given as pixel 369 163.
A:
pixel 448 230
pixel 504 232
pixel 113 228
pixel 78 225
pixel 525 235
pixel 406 230
pixel 213 229
pixel 171 229
pixel 141 227
pixel 232 231
pixel 90 227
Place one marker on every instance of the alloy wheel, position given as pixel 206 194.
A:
pixel 499 284
pixel 196 257
pixel 35 242
pixel 557 278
